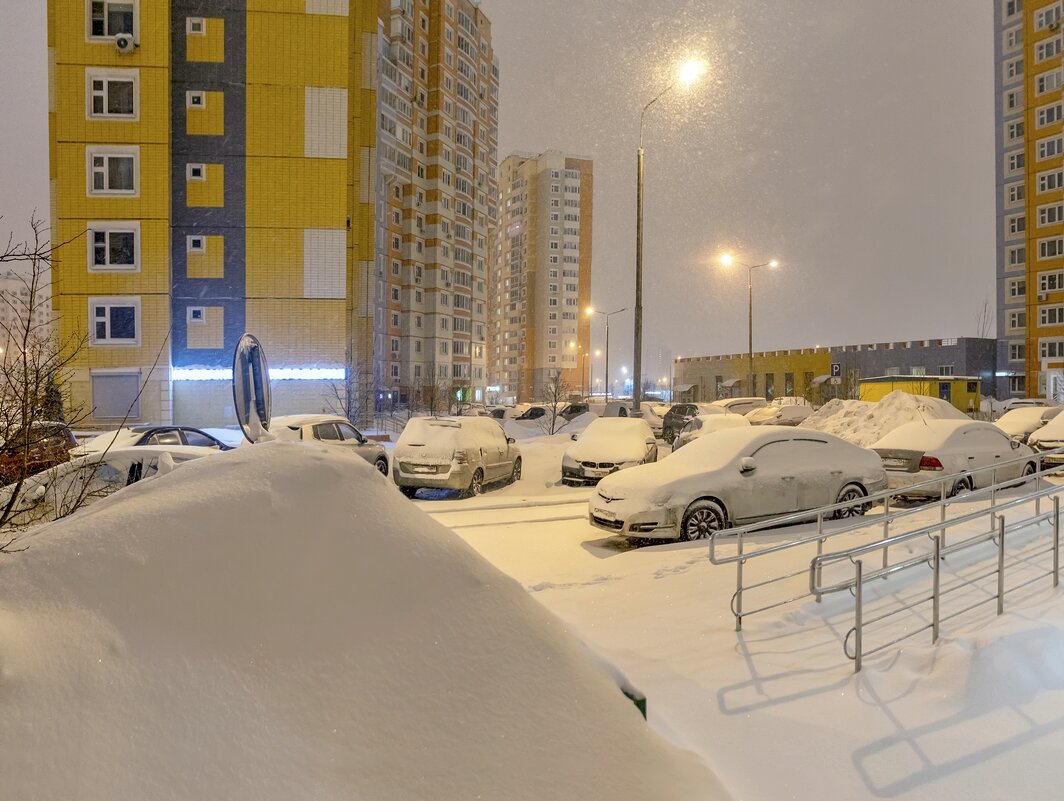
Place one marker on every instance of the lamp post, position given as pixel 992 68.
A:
pixel 590 367
pixel 607 315
pixel 583 366
pixel 727 260
pixel 689 72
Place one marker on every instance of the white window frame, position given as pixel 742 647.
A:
pixel 1056 312
pixel 1047 82
pixel 126 300
pixel 191 23
pixel 1044 113
pixel 1051 281
pixel 192 247
pixel 192 96
pixel 1015 193
pixel 1014 320
pixel 111 151
pixel 1017 351
pixel 1051 214
pixel 110 37
pixel 191 313
pixel 1044 248
pixel 107 75
pixel 1049 147
pixel 113 226
pixel 1016 224
pixel 1017 288
pixel 191 167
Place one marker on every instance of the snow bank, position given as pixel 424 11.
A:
pixel 863 423
pixel 278 622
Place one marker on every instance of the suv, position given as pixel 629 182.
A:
pixel 455 453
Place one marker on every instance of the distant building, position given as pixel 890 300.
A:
pixel 17 313
pixel 541 275
pixel 1030 197
pixel 807 372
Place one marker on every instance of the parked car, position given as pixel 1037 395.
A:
pixel 617 409
pixel 1019 403
pixel 573 410
pixel 474 410
pixel 736 476
pixel 955 449
pixel 680 414
pixel 456 453
pixel 62 489
pixel 607 445
pixel 135 436
pixel 1048 438
pixel 790 414
pixel 33 448
pixel 740 405
pixel 1023 421
pixel 702 424
pixel 331 429
pixel 532 413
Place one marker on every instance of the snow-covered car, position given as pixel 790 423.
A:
pixel 773 414
pixel 1048 438
pixel 607 445
pixel 60 490
pixel 455 453
pixel 654 414
pixel 1021 403
pixel 330 429
pixel 733 477
pixel 964 452
pixel 740 405
pixel 138 436
pixel 1023 421
pixel 680 414
pixel 532 413
pixel 33 448
pixel 702 424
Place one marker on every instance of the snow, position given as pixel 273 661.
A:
pixel 278 622
pixel 612 439
pixel 924 436
pixel 1021 420
pixel 1053 431
pixel 863 422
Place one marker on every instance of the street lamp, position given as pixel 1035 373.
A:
pixel 583 367
pixel 686 75
pixel 590 368
pixel 592 310
pixel 727 260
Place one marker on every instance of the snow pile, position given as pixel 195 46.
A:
pixel 277 622
pixel 863 423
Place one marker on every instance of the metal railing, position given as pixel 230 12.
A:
pixel 940 486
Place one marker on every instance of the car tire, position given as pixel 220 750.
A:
pixel 382 466
pixel 702 520
pixel 962 487
pixel 515 476
pixel 409 492
pixel 669 436
pixel 476 484
pixel 851 492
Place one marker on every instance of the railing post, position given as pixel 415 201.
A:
pixel 936 567
pixel 1001 566
pixel 739 586
pixel 942 512
pixel 886 526
pixel 858 616
pixel 1056 540
pixel 819 549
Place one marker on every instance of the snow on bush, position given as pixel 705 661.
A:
pixel 278 622
pixel 863 422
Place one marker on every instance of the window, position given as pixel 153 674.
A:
pixel 1051 248
pixel 1051 215
pixel 1047 49
pixel 1047 115
pixel 1014 131
pixel 1017 352
pixel 1017 319
pixel 1015 161
pixel 1050 181
pixel 1017 224
pixel 114 246
pixel 195 172
pixel 1013 68
pixel 1016 255
pixel 112 94
pixel 195 244
pixel 115 394
pixel 1017 288
pixel 195 100
pixel 919 371
pixel 114 321
pixel 1012 8
pixel 196 315
pixel 1051 315
pixel 1050 147
pixel 112 170
pixel 1013 99
pixel 195 26
pixel 1018 384
pixel 108 18
pixel 1051 281
pixel 1047 82
pixel 1015 193
pixel 1047 17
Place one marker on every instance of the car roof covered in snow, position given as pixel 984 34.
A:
pixel 927 435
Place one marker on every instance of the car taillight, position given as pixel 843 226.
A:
pixel 930 463
pixel 460 457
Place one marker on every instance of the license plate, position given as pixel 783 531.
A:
pixel 596 472
pixel 895 462
pixel 423 469
pixel 605 514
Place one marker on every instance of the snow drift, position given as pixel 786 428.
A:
pixel 863 423
pixel 277 622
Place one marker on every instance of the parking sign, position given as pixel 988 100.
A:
pixel 836 369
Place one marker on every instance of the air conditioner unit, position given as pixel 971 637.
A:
pixel 1043 295
pixel 124 43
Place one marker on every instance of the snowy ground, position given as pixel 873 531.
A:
pixel 980 715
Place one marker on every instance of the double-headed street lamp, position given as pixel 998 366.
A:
pixel 607 315
pixel 688 72
pixel 727 260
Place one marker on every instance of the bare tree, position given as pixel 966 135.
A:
pixel 984 320
pixel 555 394
pixel 353 397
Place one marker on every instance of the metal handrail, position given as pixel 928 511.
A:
pixel 741 556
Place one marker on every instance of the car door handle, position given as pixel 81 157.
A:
pixel 836 472
pixel 788 478
pixel 971 458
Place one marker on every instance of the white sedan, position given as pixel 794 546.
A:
pixel 733 477
pixel 965 454
pixel 607 445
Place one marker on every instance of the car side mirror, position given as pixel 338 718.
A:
pixel 747 465
pixel 38 492
pixel 574 437
pixel 1015 444
pixel 510 440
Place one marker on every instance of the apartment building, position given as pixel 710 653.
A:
pixel 541 275
pixel 1030 198
pixel 218 160
pixel 436 197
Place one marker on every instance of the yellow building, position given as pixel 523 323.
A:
pixel 963 391
pixel 216 172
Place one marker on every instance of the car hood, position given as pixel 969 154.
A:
pixel 615 449
pixel 655 482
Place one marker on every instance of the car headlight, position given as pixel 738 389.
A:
pixel 570 462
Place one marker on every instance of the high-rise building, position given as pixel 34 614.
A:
pixel 1030 197
pixel 541 275
pixel 215 160
pixel 437 195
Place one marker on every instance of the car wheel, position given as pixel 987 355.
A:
pixel 409 492
pixel 962 487
pixel 701 521
pixel 516 474
pixel 669 436
pixel 1029 469
pixel 476 484
pixel 851 492
pixel 382 466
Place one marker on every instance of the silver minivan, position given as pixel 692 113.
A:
pixel 455 453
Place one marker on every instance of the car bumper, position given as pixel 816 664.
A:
pixel 900 481
pixel 652 523
pixel 585 475
pixel 457 477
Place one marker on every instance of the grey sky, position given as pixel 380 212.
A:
pixel 851 139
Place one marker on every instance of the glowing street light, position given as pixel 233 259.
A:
pixel 726 261
pixel 607 315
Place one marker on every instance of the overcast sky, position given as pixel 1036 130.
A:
pixel 852 140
